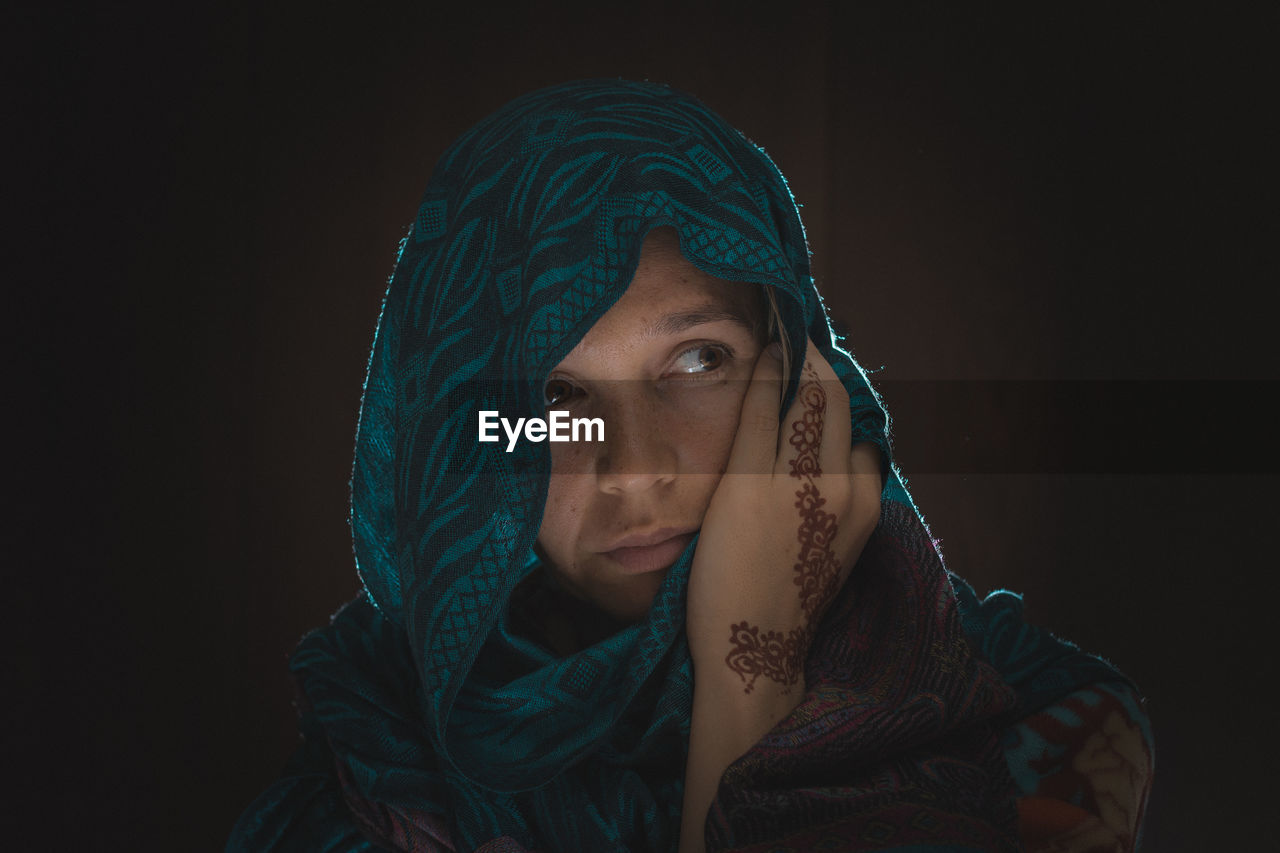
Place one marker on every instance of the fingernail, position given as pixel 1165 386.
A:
pixel 774 350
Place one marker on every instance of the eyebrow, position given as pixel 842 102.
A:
pixel 675 323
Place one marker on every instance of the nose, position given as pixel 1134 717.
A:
pixel 638 452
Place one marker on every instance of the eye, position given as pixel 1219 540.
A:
pixel 557 391
pixel 702 359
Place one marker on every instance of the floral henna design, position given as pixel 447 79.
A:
pixel 806 433
pixel 772 654
pixel 817 568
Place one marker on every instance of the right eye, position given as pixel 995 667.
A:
pixel 557 392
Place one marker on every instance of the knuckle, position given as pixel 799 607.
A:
pixel 837 392
pixel 839 494
pixel 762 422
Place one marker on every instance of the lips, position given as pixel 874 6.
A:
pixel 642 553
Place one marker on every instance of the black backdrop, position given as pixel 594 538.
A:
pixel 1043 229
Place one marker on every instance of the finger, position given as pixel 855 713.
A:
pixel 815 432
pixel 837 423
pixel 867 486
pixel 756 444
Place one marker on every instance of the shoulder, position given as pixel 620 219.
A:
pixel 301 811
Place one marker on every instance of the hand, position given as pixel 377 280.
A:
pixel 787 522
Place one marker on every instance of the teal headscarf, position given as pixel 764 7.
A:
pixel 444 721
pixel 529 231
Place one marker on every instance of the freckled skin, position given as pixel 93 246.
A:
pixel 668 430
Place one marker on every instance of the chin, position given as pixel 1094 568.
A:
pixel 632 603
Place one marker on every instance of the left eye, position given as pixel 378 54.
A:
pixel 703 359
pixel 557 392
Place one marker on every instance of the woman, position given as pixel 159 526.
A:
pixel 721 623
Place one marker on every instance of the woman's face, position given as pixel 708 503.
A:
pixel 666 368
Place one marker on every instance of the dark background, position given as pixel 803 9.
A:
pixel 1048 232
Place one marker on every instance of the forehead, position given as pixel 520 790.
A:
pixel 669 294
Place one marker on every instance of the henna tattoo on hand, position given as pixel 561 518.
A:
pixel 806 433
pixel 817 566
pixel 771 654
pixel 777 656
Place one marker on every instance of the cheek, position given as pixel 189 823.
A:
pixel 562 517
pixel 708 427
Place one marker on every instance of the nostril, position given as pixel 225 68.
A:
pixel 632 466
